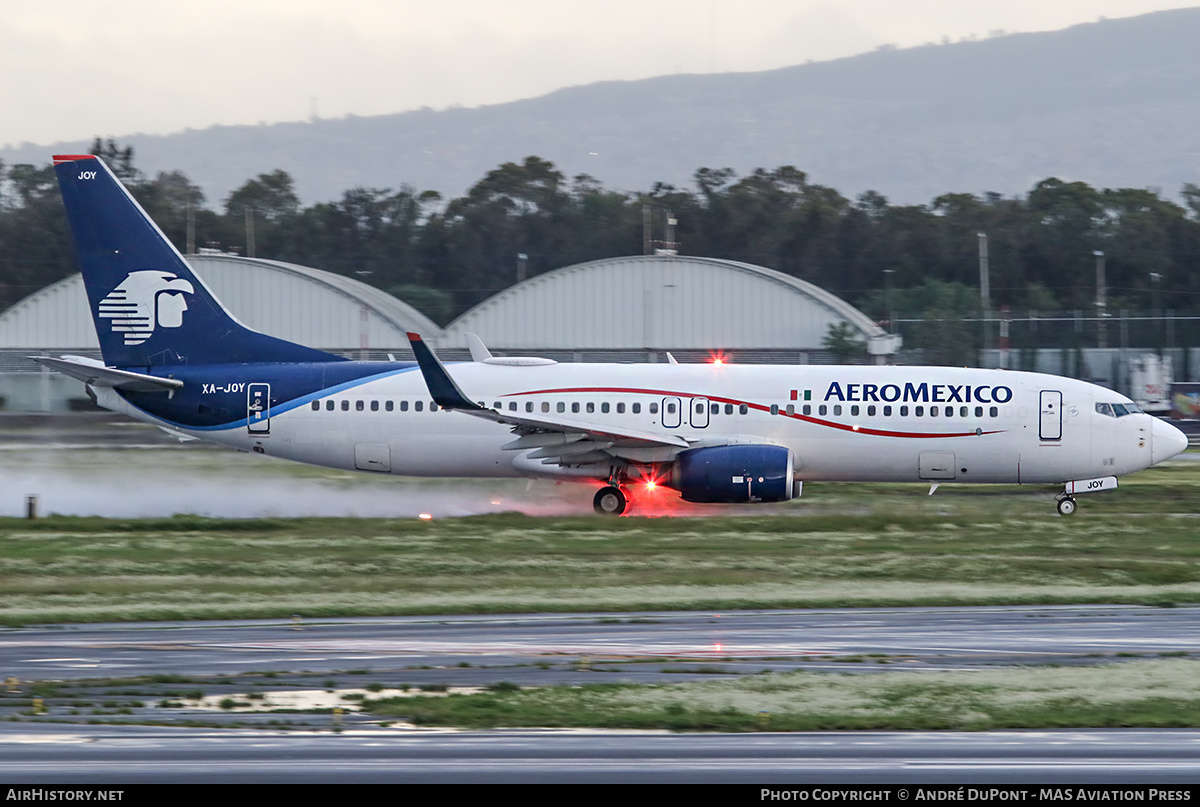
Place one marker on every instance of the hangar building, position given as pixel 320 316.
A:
pixel 297 303
pixel 635 308
pixel 618 309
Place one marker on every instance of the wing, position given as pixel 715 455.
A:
pixel 563 441
pixel 96 374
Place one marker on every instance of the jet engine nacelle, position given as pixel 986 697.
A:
pixel 737 473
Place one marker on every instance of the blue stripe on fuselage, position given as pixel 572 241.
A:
pixel 213 397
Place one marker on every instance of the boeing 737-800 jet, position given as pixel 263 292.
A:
pixel 173 356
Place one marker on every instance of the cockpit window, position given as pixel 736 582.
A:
pixel 1117 410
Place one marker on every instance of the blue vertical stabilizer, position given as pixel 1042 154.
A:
pixel 149 307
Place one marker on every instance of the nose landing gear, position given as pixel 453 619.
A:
pixel 1066 505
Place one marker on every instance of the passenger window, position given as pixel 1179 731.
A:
pixel 854 410
pixel 620 409
pixel 887 411
pixel 374 406
pixel 654 408
pixel 919 411
pixel 316 406
pixel 529 406
pixel 807 409
pixel 822 409
pixel 871 411
pixel 963 411
pixel 837 409
pixel 404 406
pixel 433 407
pixel 389 406
pixel 774 409
pixel 545 406
pixel 604 408
pixel 512 406
pixel 670 409
pixel 714 409
pixel 345 406
pixel 574 407
pixel 994 412
pixel 636 409
pixel 791 409
pixel 419 406
pixel 560 407
pixel 932 411
pixel 979 411
pixel 729 409
pixel 329 406
pixel 743 409
pixel 591 407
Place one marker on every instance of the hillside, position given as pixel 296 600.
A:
pixel 1113 103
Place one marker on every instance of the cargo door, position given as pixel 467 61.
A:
pixel 937 465
pixel 373 457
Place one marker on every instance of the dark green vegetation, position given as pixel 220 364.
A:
pixel 841 545
pixel 1144 694
pixel 445 255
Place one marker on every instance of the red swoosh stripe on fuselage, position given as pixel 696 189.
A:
pixel 806 418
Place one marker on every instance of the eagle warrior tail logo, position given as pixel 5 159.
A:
pixel 144 301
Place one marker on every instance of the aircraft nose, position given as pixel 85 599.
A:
pixel 1165 441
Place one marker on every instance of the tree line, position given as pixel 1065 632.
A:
pixel 443 256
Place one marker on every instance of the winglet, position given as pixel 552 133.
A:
pixel 445 392
pixel 479 351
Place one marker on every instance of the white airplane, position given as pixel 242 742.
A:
pixel 714 432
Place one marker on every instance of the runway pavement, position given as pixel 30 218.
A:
pixel 548 649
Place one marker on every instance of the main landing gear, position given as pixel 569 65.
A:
pixel 1066 505
pixel 611 501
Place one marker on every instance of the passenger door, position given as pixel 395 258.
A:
pixel 1050 417
pixel 258 408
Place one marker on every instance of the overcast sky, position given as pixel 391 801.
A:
pixel 73 69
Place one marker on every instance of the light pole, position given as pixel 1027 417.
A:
pixel 887 299
pixel 1155 309
pixel 985 290
pixel 1101 301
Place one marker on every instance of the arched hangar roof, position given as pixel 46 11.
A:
pixel 659 302
pixel 298 303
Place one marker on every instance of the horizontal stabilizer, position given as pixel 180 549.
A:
pixel 96 374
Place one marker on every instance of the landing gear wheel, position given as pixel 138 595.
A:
pixel 610 501
pixel 1066 506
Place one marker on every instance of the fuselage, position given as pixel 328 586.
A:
pixel 867 423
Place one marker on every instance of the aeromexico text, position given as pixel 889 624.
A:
pixel 920 393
